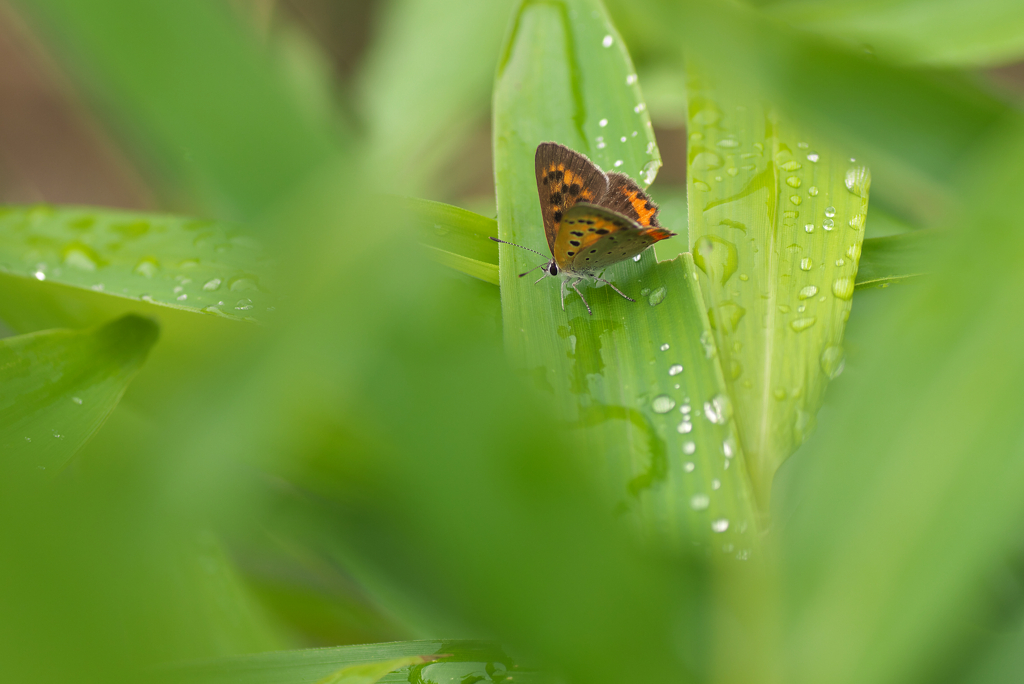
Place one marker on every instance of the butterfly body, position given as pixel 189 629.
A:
pixel 591 219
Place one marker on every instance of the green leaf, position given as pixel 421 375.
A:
pixel 895 258
pixel 965 33
pixel 776 223
pixel 197 266
pixel 910 496
pixel 639 381
pixel 370 673
pixel 58 387
pixel 457 238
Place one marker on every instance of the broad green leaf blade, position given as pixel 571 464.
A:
pixel 949 33
pixel 457 238
pixel 184 79
pixel 419 661
pixel 776 224
pixel 638 380
pixel 198 266
pixel 58 387
pixel 895 258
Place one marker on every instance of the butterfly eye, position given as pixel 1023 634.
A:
pixel 553 270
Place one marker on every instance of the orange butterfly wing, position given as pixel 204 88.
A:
pixel 593 238
pixel 564 177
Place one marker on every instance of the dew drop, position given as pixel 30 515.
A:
pixel 791 165
pixel 618 163
pixel 639 108
pixel 809 228
pixel 857 222
pixel 602 123
pixel 858 180
pixel 77 400
pixel 806 264
pixel 828 224
pixel 657 296
pixel 212 284
pixel 638 257
pixel 832 361
pixel 664 347
pixel 729 447
pixel 808 292
pixel 830 211
pixel 812 191
pixel 701 185
pixel 689 447
pixel 685 427
pixel 840 262
pixel 675 370
pixel 853 251
pixel 243 305
pixel 795 199
pixel 39 275
pixel 182 297
pixel 801 324
pixel 793 182
pixel 650 171
pixel 147 267
pixel 718 410
pixel 622 139
pixel 720 525
pixel 812 157
pixel 631 79
pixel 663 403
pixel 688 466
pixel 607 41
pixel 716 484
pixel 699 502
pixel 843 288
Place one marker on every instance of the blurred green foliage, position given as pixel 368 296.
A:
pixel 398 454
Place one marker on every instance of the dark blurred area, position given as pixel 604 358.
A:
pixel 54 150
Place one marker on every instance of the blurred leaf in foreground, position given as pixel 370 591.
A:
pixel 58 387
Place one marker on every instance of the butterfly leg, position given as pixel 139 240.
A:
pixel 611 285
pixel 581 295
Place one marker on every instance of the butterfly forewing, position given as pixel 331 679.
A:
pixel 564 177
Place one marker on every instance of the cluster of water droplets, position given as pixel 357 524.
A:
pixel 168 261
pixel 691 419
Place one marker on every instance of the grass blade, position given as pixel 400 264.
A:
pixel 457 238
pixel 895 258
pixel 776 225
pixel 639 380
pixel 58 387
pixel 402 661
pixel 196 266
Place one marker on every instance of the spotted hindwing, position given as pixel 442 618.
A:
pixel 564 177
pixel 593 238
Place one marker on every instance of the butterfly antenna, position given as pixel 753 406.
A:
pixel 532 270
pixel 504 242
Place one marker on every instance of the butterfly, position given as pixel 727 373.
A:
pixel 591 219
